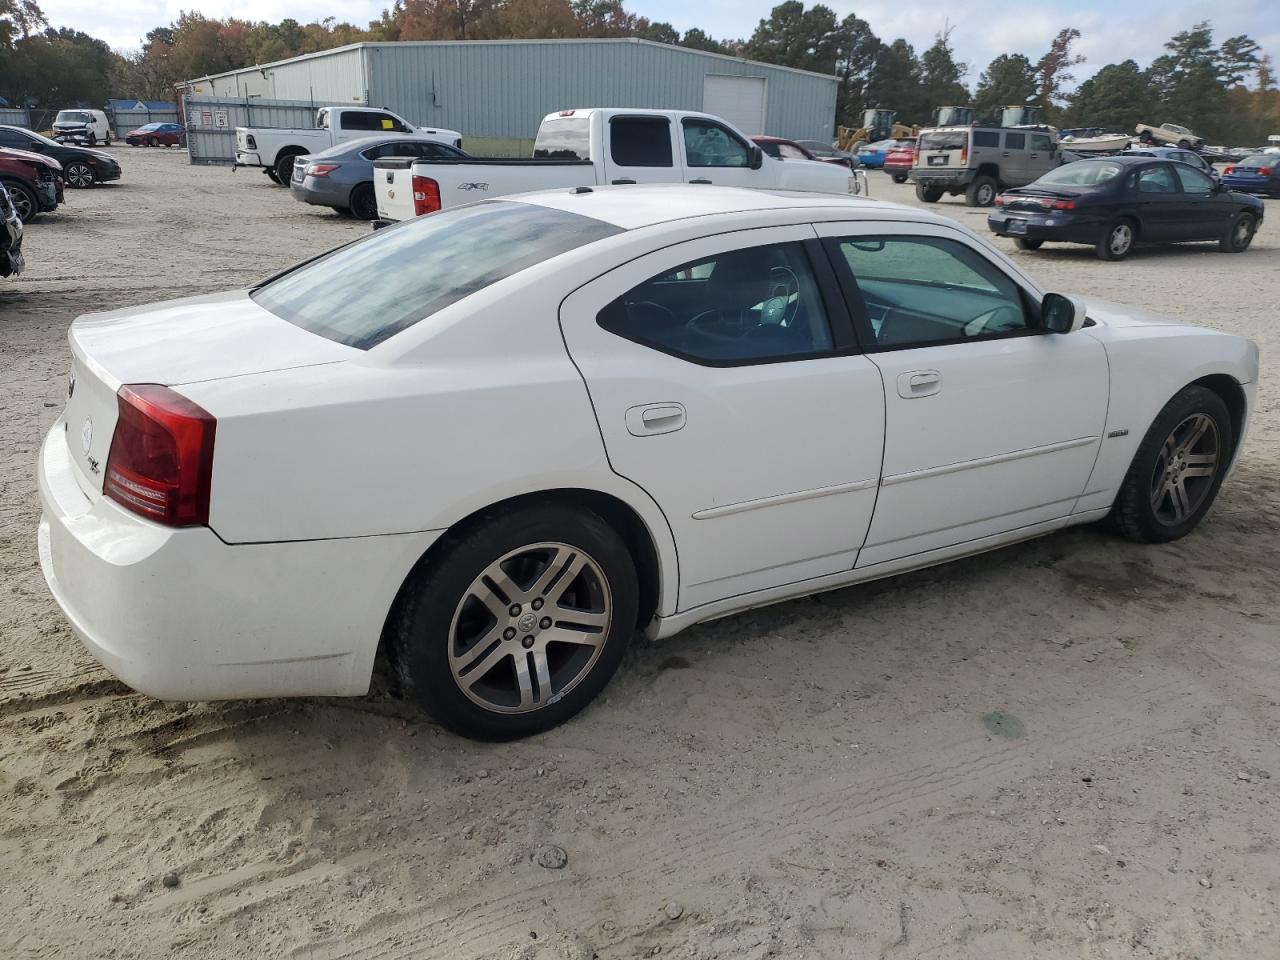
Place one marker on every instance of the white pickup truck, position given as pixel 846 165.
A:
pixel 603 146
pixel 274 148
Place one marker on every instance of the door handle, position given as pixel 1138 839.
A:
pixel 655 418
pixel 618 183
pixel 700 180
pixel 919 383
pixel 1005 154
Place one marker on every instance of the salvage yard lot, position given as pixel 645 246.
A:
pixel 1064 749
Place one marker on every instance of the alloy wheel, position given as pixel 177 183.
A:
pixel 530 627
pixel 21 204
pixel 986 193
pixel 1121 239
pixel 1185 469
pixel 79 175
pixel 1242 234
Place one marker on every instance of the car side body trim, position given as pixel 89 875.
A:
pixel 731 508
pixel 987 461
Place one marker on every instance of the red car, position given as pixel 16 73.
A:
pixel 157 135
pixel 34 182
pixel 784 149
pixel 898 161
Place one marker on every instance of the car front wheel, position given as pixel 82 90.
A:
pixel 518 624
pixel 79 175
pixel 1179 466
pixel 24 200
pixel 1239 234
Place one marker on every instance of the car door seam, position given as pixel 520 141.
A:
pixel 1106 423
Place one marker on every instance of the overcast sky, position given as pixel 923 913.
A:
pixel 1111 30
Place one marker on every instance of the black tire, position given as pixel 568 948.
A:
pixel 284 169
pixel 153 142
pixel 899 178
pixel 981 192
pixel 93 140
pixel 1135 514
pixel 364 205
pixel 1022 243
pixel 1239 234
pixel 440 592
pixel 1112 245
pixel 928 194
pixel 271 174
pixel 24 200
pixel 79 175
pixel 1184 144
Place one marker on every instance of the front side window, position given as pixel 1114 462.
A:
pixel 1041 142
pixel 924 291
pixel 1157 179
pixel 1192 180
pixel 708 144
pixel 370 290
pixel 640 141
pixel 753 305
pixel 1015 141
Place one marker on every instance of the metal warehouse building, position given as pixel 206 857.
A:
pixel 501 89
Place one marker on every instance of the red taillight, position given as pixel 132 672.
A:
pixel 426 195
pixel 321 169
pixel 1062 205
pixel 161 461
pixel 1264 171
pixel 1228 170
pixel 964 156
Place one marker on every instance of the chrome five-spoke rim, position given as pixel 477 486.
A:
pixel 1185 469
pixel 1121 238
pixel 530 628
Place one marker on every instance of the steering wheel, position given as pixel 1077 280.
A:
pixel 783 300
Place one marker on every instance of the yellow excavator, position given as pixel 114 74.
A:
pixel 877 124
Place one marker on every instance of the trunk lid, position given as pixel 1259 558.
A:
pixel 182 341
pixel 1036 199
pixel 393 187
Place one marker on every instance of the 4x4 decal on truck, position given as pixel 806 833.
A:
pixel 473 186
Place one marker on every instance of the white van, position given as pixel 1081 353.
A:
pixel 82 126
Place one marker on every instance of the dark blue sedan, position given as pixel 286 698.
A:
pixel 1115 203
pixel 1259 173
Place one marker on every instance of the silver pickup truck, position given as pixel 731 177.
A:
pixel 603 146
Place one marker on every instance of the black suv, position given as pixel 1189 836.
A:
pixel 81 166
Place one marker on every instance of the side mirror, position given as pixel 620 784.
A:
pixel 757 158
pixel 1061 314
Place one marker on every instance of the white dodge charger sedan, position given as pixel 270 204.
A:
pixel 497 441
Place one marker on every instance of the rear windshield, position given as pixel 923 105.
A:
pixel 564 138
pixel 370 290
pixel 1083 173
pixel 944 140
pixel 1260 160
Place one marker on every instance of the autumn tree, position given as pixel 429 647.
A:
pixel 1053 72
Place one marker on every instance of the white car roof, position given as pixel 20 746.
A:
pixel 632 207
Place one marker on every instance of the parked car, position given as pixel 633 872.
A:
pixel 1170 133
pixel 586 148
pixel 979 162
pixel 81 167
pixel 274 149
pixel 11 259
pixel 899 161
pixel 342 176
pixel 483 438
pixel 1176 153
pixel 1115 203
pixel 34 182
pixel 782 149
pixel 82 126
pixel 1259 173
pixel 825 151
pixel 872 155
pixel 157 135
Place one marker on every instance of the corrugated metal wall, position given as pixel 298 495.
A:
pixel 122 121
pixel 504 88
pixel 15 117
pixel 335 76
pixel 212 122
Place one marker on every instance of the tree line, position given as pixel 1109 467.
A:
pixel 1224 91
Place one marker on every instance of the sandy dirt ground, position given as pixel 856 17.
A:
pixel 1064 749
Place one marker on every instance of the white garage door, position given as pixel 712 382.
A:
pixel 740 100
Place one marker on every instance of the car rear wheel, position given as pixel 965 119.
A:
pixel 284 169
pixel 899 178
pixel 1179 466
pixel 1117 243
pixel 927 194
pixel 981 192
pixel 25 202
pixel 1239 234
pixel 79 175
pixel 1022 243
pixel 518 624
pixel 364 205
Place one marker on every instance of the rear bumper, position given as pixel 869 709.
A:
pixel 320 192
pixel 1252 184
pixel 246 159
pixel 179 614
pixel 942 177
pixel 107 173
pixel 1039 226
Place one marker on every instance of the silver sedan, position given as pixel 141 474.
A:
pixel 342 176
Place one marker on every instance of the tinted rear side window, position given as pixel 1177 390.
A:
pixel 986 138
pixel 565 138
pixel 370 290
pixel 1015 141
pixel 640 141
